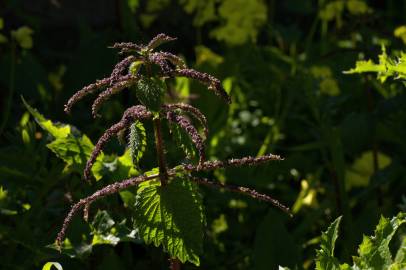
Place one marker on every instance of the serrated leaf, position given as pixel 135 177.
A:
pixel 325 255
pixel 137 142
pixel 74 151
pixel 56 130
pixel 386 67
pixel 183 140
pixel 171 216
pixel 374 252
pixel 150 92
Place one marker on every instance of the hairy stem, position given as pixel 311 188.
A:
pixel 174 264
pixel 163 170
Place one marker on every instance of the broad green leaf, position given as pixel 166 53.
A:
pixel 171 216
pixel 374 252
pixel 325 255
pixel 183 140
pixel 74 151
pixel 150 92
pixel 48 266
pixel 137 142
pixel 56 130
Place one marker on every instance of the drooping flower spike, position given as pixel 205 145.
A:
pixel 121 68
pixel 186 125
pixel 211 82
pixel 86 91
pixel 124 82
pixel 159 40
pixel 243 190
pixel 138 112
pixel 234 162
pixel 194 112
pixel 171 58
pixel 123 76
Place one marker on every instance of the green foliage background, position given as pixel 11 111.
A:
pixel 342 135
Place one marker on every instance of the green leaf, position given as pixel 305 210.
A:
pixel 74 151
pixel 374 252
pixel 171 216
pixel 386 67
pixel 325 255
pixel 183 140
pixel 137 142
pixel 56 130
pixel 150 92
pixel 48 266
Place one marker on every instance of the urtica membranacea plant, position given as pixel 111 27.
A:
pixel 168 209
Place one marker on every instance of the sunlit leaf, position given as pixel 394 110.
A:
pixel 56 130
pixel 171 216
pixel 325 255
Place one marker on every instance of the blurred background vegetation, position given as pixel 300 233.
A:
pixel 343 136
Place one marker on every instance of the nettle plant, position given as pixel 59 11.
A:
pixel 168 209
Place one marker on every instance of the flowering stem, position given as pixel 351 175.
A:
pixel 163 170
pixel 175 264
